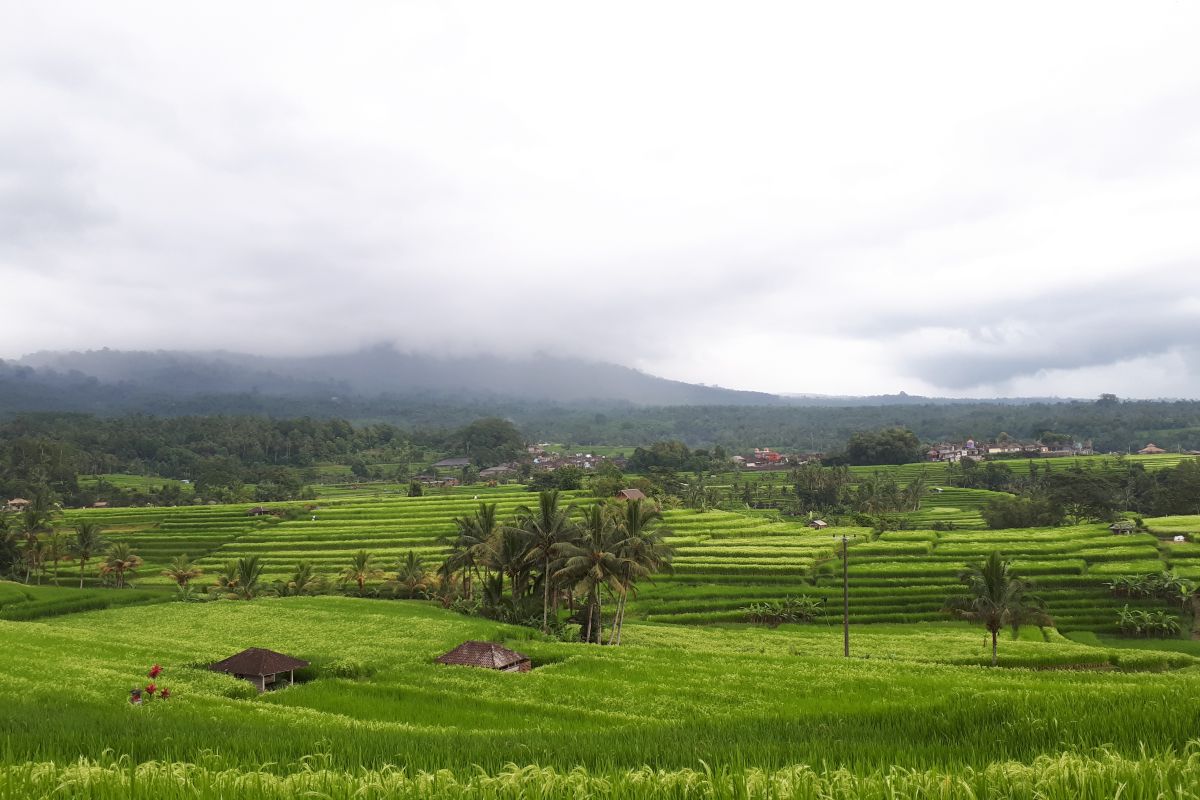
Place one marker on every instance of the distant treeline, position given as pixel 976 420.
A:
pixel 218 454
pixel 1111 424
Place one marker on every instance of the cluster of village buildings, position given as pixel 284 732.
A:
pixel 764 458
pixel 977 451
pixel 539 460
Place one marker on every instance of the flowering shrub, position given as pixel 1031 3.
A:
pixel 137 696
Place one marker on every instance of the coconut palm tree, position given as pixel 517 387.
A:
pixel 591 563
pixel 56 550
pixel 642 552
pixel 227 581
pixel 249 573
pixel 361 570
pixel 508 555
pixel 183 571
pixel 470 546
pixel 121 563
pixel 996 598
pixel 303 581
pixel 87 543
pixel 10 551
pixel 411 575
pixel 35 558
pixel 34 521
pixel 549 525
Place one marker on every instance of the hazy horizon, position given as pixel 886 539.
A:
pixel 852 200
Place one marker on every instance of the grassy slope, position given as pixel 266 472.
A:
pixel 671 696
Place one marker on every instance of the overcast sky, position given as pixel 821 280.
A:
pixel 960 198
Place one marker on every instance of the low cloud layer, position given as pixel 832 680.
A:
pixel 845 200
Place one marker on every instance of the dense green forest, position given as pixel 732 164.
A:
pixel 219 454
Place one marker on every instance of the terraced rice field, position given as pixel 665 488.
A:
pixel 723 560
pixel 326 534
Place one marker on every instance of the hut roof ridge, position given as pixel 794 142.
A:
pixel 482 654
pixel 258 661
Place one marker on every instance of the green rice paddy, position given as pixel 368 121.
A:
pixel 694 703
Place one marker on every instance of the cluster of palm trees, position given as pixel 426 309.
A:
pixel 242 578
pixel 558 554
pixel 34 548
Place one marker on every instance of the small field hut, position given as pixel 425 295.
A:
pixel 486 655
pixel 631 494
pixel 259 666
pixel 818 524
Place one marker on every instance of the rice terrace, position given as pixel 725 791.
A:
pixel 644 631
pixel 546 401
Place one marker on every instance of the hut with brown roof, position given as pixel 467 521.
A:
pixel 631 494
pixel 259 666
pixel 17 504
pixel 1151 450
pixel 486 655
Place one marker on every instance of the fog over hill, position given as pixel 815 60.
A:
pixel 385 370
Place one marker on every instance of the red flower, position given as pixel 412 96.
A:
pixel 151 689
pixel 155 671
pixel 165 693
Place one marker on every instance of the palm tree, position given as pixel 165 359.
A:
pixel 227 581
pixel 88 542
pixel 249 572
pixel 183 571
pixel 642 552
pixel 35 558
pixel 411 574
pixel 361 570
pixel 470 547
pixel 120 561
pixel 544 528
pixel 56 550
pixel 35 520
pixel 10 553
pixel 997 598
pixel 303 581
pixel 508 554
pixel 592 564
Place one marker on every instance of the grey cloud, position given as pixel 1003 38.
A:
pixel 460 182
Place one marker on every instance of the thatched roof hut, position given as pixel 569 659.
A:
pixel 259 666
pixel 1151 450
pixel 487 655
pixel 631 494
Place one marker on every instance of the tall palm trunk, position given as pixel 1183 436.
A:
pixel 591 605
pixel 599 617
pixel 81 563
pixel 621 614
pixel 616 628
pixel 546 594
pixel 994 648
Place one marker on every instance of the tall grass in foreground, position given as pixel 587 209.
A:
pixel 1103 774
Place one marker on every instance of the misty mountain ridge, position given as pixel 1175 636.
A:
pixel 385 370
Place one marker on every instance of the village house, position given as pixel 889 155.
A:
pixel 1151 450
pixel 451 463
pixel 17 504
pixel 499 471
